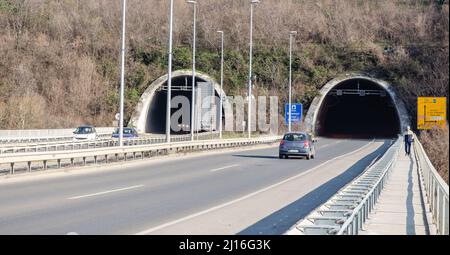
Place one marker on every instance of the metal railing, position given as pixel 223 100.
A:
pixel 436 189
pixel 44 135
pixel 346 212
pixel 138 151
pixel 79 145
pixel 99 143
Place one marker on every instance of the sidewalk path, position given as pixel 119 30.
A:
pixel 401 209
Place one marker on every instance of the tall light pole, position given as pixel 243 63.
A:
pixel 250 70
pixel 122 74
pixel 194 4
pixel 169 75
pixel 291 35
pixel 221 85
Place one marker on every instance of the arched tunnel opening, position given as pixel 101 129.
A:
pixel 181 86
pixel 358 108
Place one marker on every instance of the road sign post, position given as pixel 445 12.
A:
pixel 296 113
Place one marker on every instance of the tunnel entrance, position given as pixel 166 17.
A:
pixel 358 108
pixel 181 86
pixel 156 118
pixel 149 115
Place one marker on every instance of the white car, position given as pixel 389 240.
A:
pixel 85 133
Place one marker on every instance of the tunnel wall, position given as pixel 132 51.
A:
pixel 314 110
pixel 142 110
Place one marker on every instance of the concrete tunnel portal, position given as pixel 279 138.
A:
pixel 349 106
pixel 150 113
pixel 357 106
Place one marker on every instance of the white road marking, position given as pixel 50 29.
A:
pixel 223 168
pixel 106 192
pixel 168 224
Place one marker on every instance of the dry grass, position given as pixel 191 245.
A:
pixel 435 143
pixel 66 53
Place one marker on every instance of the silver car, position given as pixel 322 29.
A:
pixel 297 144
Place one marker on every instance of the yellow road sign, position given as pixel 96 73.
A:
pixel 431 112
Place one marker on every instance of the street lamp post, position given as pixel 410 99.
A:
pixel 221 85
pixel 194 4
pixel 169 75
pixel 291 35
pixel 122 74
pixel 249 127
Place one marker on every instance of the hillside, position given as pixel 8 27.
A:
pixel 59 60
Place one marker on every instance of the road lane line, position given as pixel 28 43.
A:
pixel 106 192
pixel 223 168
pixel 168 224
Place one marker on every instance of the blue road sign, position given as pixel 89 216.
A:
pixel 296 113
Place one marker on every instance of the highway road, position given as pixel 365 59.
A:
pixel 248 191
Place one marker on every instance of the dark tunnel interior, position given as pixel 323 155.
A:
pixel 358 108
pixel 156 118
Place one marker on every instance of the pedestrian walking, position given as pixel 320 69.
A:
pixel 409 138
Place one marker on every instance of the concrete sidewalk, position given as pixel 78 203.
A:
pixel 401 208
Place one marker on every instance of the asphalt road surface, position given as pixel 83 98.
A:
pixel 241 192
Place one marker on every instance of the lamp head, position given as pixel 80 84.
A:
pixel 191 1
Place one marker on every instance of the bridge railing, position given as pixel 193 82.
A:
pixel 137 151
pixel 79 145
pixel 104 141
pixel 44 135
pixel 435 188
pixel 346 212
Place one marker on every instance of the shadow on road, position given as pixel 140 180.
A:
pixel 255 156
pixel 280 221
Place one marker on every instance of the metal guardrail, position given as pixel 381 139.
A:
pixel 44 135
pixel 346 212
pixel 435 188
pixel 78 145
pixel 141 151
pixel 99 143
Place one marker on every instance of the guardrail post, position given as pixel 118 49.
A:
pixel 445 222
pixel 71 162
pixel 59 163
pixel 29 166
pixel 106 158
pixel 125 156
pixel 12 168
pixel 95 159
pixel 45 164
pixel 84 161
pixel 360 219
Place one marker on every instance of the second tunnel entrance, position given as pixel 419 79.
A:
pixel 358 108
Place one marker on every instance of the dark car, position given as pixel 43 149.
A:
pixel 127 133
pixel 297 144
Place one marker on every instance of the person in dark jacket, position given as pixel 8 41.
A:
pixel 409 138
